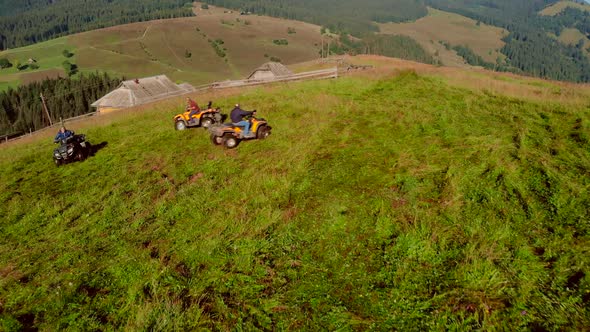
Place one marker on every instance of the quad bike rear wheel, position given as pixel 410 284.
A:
pixel 217 140
pixel 88 149
pixel 180 125
pixel 80 154
pixel 206 122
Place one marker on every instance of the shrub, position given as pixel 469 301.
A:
pixel 5 63
pixel 67 53
pixel 280 42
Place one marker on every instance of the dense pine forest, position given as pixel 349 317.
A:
pixel 32 21
pixel 21 109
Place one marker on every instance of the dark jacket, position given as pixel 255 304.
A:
pixel 63 135
pixel 237 114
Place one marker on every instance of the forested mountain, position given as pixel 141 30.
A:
pixel 21 109
pixel 529 47
pixel 28 22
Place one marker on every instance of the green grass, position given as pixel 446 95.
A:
pixel 5 85
pixel 399 204
pixel 47 54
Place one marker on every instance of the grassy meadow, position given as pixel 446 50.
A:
pixel 163 47
pixel 437 26
pixel 390 201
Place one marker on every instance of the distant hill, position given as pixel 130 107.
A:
pixel 440 30
pixel 209 47
pixel 558 7
pixel 524 50
pixel 503 35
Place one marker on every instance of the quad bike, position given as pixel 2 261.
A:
pixel 230 135
pixel 72 148
pixel 204 118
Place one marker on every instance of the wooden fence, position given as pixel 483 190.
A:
pixel 309 75
pixel 55 126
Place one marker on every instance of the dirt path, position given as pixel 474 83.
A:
pixel 145 32
pixel 174 53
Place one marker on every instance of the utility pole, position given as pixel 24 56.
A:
pixel 46 111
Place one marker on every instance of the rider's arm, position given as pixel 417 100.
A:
pixel 245 113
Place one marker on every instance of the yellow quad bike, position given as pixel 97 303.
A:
pixel 230 135
pixel 204 118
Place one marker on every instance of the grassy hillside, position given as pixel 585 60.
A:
pixel 572 36
pixel 160 47
pixel 455 29
pixel 558 7
pixel 386 201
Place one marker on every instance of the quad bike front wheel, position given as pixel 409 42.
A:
pixel 57 162
pixel 230 141
pixel 180 125
pixel 263 132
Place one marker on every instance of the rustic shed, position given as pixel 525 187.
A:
pixel 140 91
pixel 270 70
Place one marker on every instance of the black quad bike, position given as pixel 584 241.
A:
pixel 70 149
pixel 230 135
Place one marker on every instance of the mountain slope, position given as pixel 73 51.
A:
pixel 387 201
pixel 561 5
pixel 184 49
pixel 439 28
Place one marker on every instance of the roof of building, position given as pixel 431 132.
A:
pixel 141 91
pixel 277 68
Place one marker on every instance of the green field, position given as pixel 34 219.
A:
pixel 48 55
pixel 397 203
pixel 161 46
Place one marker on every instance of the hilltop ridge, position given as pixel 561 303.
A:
pixel 391 200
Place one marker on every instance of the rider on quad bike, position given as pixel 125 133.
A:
pixel 231 134
pixel 72 147
pixel 194 116
pixel 237 118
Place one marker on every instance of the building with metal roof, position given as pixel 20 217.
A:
pixel 140 91
pixel 270 70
